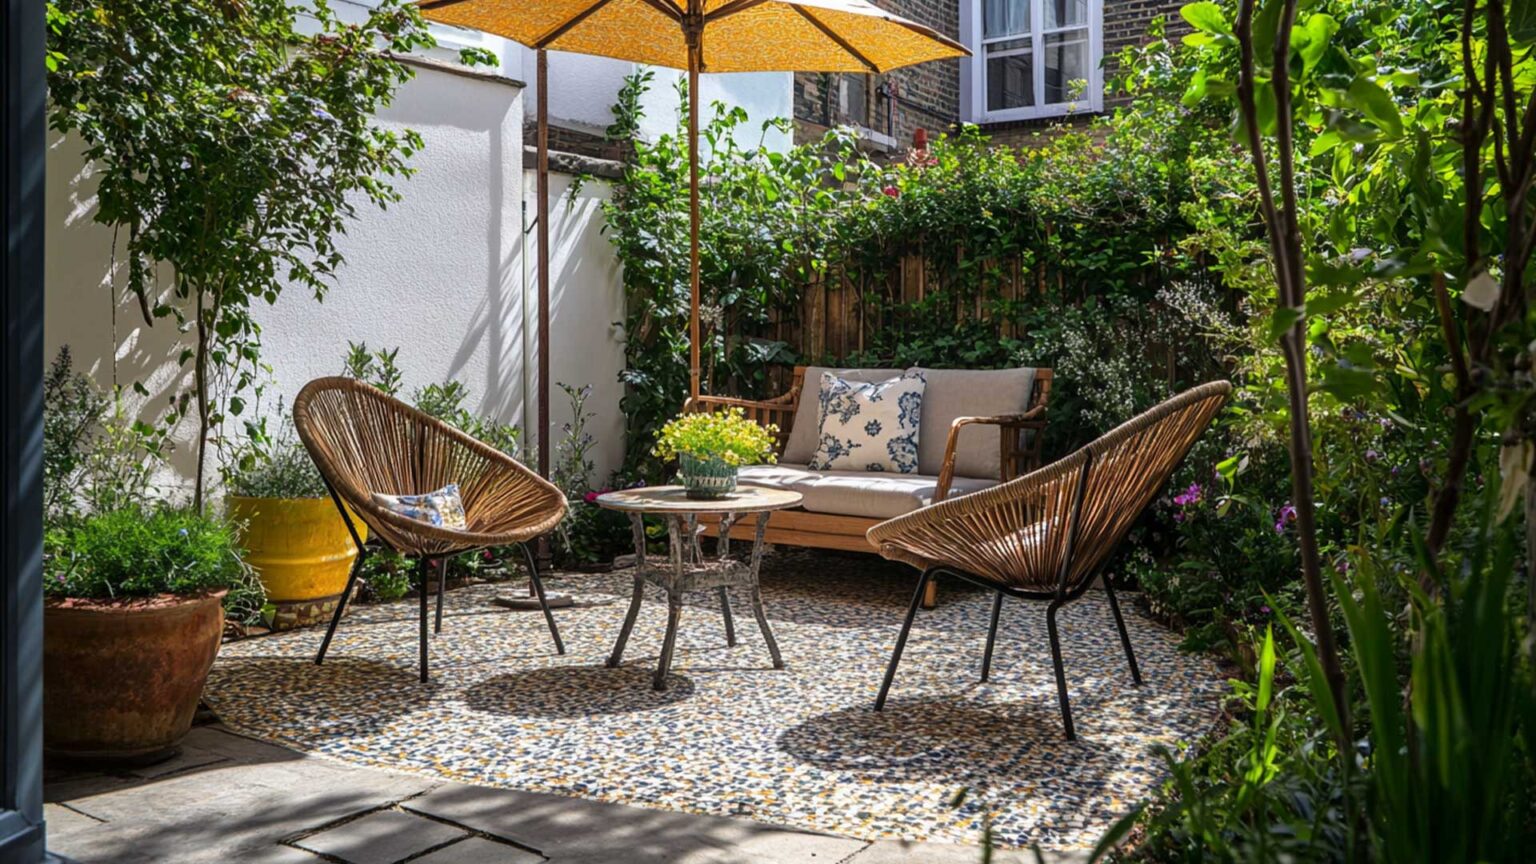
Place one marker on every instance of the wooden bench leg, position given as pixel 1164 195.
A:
pixel 931 594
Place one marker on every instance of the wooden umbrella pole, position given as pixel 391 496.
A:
pixel 543 193
pixel 542 82
pixel 693 30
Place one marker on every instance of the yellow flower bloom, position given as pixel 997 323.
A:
pixel 726 435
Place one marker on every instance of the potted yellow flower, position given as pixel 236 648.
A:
pixel 709 448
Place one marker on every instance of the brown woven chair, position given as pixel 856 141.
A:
pixel 1046 535
pixel 364 441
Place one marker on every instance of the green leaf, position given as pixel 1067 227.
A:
pixel 1522 21
pixel 1266 670
pixel 1207 17
pixel 1115 834
pixel 1283 319
pixel 1370 99
pixel 1314 39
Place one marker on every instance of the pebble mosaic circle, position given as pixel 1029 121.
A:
pixel 732 736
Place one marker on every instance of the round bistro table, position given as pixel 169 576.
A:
pixel 687 569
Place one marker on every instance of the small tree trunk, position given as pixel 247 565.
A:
pixel 200 377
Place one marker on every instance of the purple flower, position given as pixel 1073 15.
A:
pixel 1385 501
pixel 1193 495
pixel 1341 566
pixel 1265 610
pixel 1372 456
pixel 1396 470
pixel 1286 516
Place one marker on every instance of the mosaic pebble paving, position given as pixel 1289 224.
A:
pixel 733 737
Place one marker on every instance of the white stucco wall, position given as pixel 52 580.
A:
pixel 441 275
pixel 583 88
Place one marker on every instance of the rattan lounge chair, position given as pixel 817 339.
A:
pixel 364 441
pixel 1046 535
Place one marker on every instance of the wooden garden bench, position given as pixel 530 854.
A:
pixel 979 428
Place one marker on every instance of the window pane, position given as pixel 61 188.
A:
pixel 1065 13
pixel 1004 18
pixel 1010 81
pixel 1066 66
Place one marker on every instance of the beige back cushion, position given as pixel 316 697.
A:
pixel 955 393
pixel 801 444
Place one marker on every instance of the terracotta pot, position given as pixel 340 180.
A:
pixel 122 678
pixel 301 551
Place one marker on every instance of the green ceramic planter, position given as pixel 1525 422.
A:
pixel 705 478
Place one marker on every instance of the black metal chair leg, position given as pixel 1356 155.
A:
pixel 1125 637
pixel 901 641
pixel 442 588
pixel 421 572
pixel 1061 675
pixel 538 590
pixel 986 659
pixel 341 606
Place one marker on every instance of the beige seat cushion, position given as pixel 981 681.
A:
pixel 801 444
pixel 955 393
pixel 873 495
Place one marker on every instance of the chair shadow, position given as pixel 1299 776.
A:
pixel 576 692
pixel 345 696
pixel 946 740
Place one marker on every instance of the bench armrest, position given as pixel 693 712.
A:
pixel 1018 458
pixel 778 411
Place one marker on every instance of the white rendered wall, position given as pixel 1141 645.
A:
pixel 440 275
pixel 583 89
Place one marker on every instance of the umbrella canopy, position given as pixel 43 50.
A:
pixel 740 35
pixel 699 36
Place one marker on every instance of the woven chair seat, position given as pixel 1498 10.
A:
pixel 365 441
pixel 1017 534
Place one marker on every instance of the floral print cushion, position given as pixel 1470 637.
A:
pixel 443 508
pixel 869 427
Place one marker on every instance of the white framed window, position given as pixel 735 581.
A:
pixel 1031 58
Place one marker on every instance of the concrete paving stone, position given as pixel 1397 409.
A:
pixel 576 830
pixel 190 758
pixel 902 852
pixel 384 837
pixel 225 812
pixel 478 850
pixel 62 820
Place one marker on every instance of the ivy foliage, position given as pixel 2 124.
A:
pixel 1088 225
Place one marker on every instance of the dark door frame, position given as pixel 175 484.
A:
pixel 21 354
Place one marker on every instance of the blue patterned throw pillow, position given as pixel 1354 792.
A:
pixel 441 509
pixel 869 427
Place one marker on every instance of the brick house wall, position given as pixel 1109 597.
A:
pixel 927 96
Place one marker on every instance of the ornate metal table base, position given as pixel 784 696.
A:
pixel 688 570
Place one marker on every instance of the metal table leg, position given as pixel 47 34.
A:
pixel 757 594
pixel 724 554
pixel 637 523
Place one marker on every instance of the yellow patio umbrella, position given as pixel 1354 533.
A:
pixel 699 36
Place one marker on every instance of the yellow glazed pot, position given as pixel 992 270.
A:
pixel 301 551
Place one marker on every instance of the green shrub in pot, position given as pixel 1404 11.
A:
pixel 132 623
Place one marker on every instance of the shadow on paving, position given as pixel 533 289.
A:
pixel 548 692
pixel 943 739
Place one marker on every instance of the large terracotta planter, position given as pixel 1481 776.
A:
pixel 121 678
pixel 301 551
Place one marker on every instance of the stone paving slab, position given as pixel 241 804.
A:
pixel 256 803
pixel 381 838
pixel 573 830
pixel 478 850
